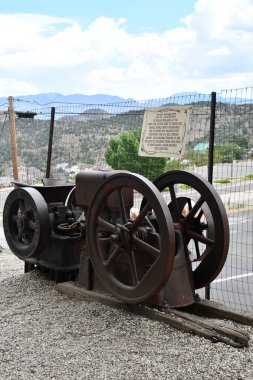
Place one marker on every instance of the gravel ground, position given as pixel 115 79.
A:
pixel 45 335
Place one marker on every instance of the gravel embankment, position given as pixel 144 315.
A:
pixel 45 335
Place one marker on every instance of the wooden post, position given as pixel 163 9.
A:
pixel 13 139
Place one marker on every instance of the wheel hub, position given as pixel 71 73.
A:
pixel 121 236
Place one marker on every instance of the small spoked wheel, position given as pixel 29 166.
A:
pixel 200 215
pixel 131 255
pixel 26 222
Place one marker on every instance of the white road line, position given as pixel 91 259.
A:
pixel 233 221
pixel 232 277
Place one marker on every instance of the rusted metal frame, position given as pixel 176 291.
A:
pixel 210 158
pixel 50 142
pixel 214 331
pixel 57 193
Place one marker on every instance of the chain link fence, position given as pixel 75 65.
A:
pixel 81 138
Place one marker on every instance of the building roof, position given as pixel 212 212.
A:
pixel 201 146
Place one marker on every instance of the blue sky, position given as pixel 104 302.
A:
pixel 138 49
pixel 141 15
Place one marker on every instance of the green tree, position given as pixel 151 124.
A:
pixel 122 154
pixel 228 152
pixel 175 164
pixel 198 158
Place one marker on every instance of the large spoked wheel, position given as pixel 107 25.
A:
pixel 132 260
pixel 26 222
pixel 199 214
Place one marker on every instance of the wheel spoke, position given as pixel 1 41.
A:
pixel 122 208
pixel 20 234
pixel 197 249
pixel 21 205
pixel 195 208
pixel 140 217
pixel 200 214
pixel 106 225
pixel 113 255
pixel 142 245
pixel 200 238
pixel 189 203
pixel 133 268
pixel 174 204
pixel 31 224
pixel 204 226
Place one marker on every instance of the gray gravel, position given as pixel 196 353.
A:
pixel 45 335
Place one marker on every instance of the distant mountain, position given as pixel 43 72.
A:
pixel 33 102
pixel 184 94
pixel 54 98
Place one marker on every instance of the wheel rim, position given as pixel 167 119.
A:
pixel 130 258
pixel 199 214
pixel 26 222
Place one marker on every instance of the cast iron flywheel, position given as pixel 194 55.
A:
pixel 198 212
pixel 131 259
pixel 26 222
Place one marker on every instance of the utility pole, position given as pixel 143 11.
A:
pixel 13 139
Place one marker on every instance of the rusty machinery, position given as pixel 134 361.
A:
pixel 115 231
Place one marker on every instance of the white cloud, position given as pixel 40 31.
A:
pixel 220 51
pixel 212 51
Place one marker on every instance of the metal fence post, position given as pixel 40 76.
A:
pixel 13 139
pixel 50 142
pixel 210 157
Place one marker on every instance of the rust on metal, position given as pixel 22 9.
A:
pixel 132 258
pixel 200 215
pixel 142 246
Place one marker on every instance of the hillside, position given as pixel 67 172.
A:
pixel 81 137
pixel 78 140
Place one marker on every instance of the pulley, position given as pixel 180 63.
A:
pixel 26 222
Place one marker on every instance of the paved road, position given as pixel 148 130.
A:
pixel 235 170
pixel 234 285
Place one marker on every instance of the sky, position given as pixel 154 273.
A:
pixel 140 49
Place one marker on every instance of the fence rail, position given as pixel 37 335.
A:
pixel 219 147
